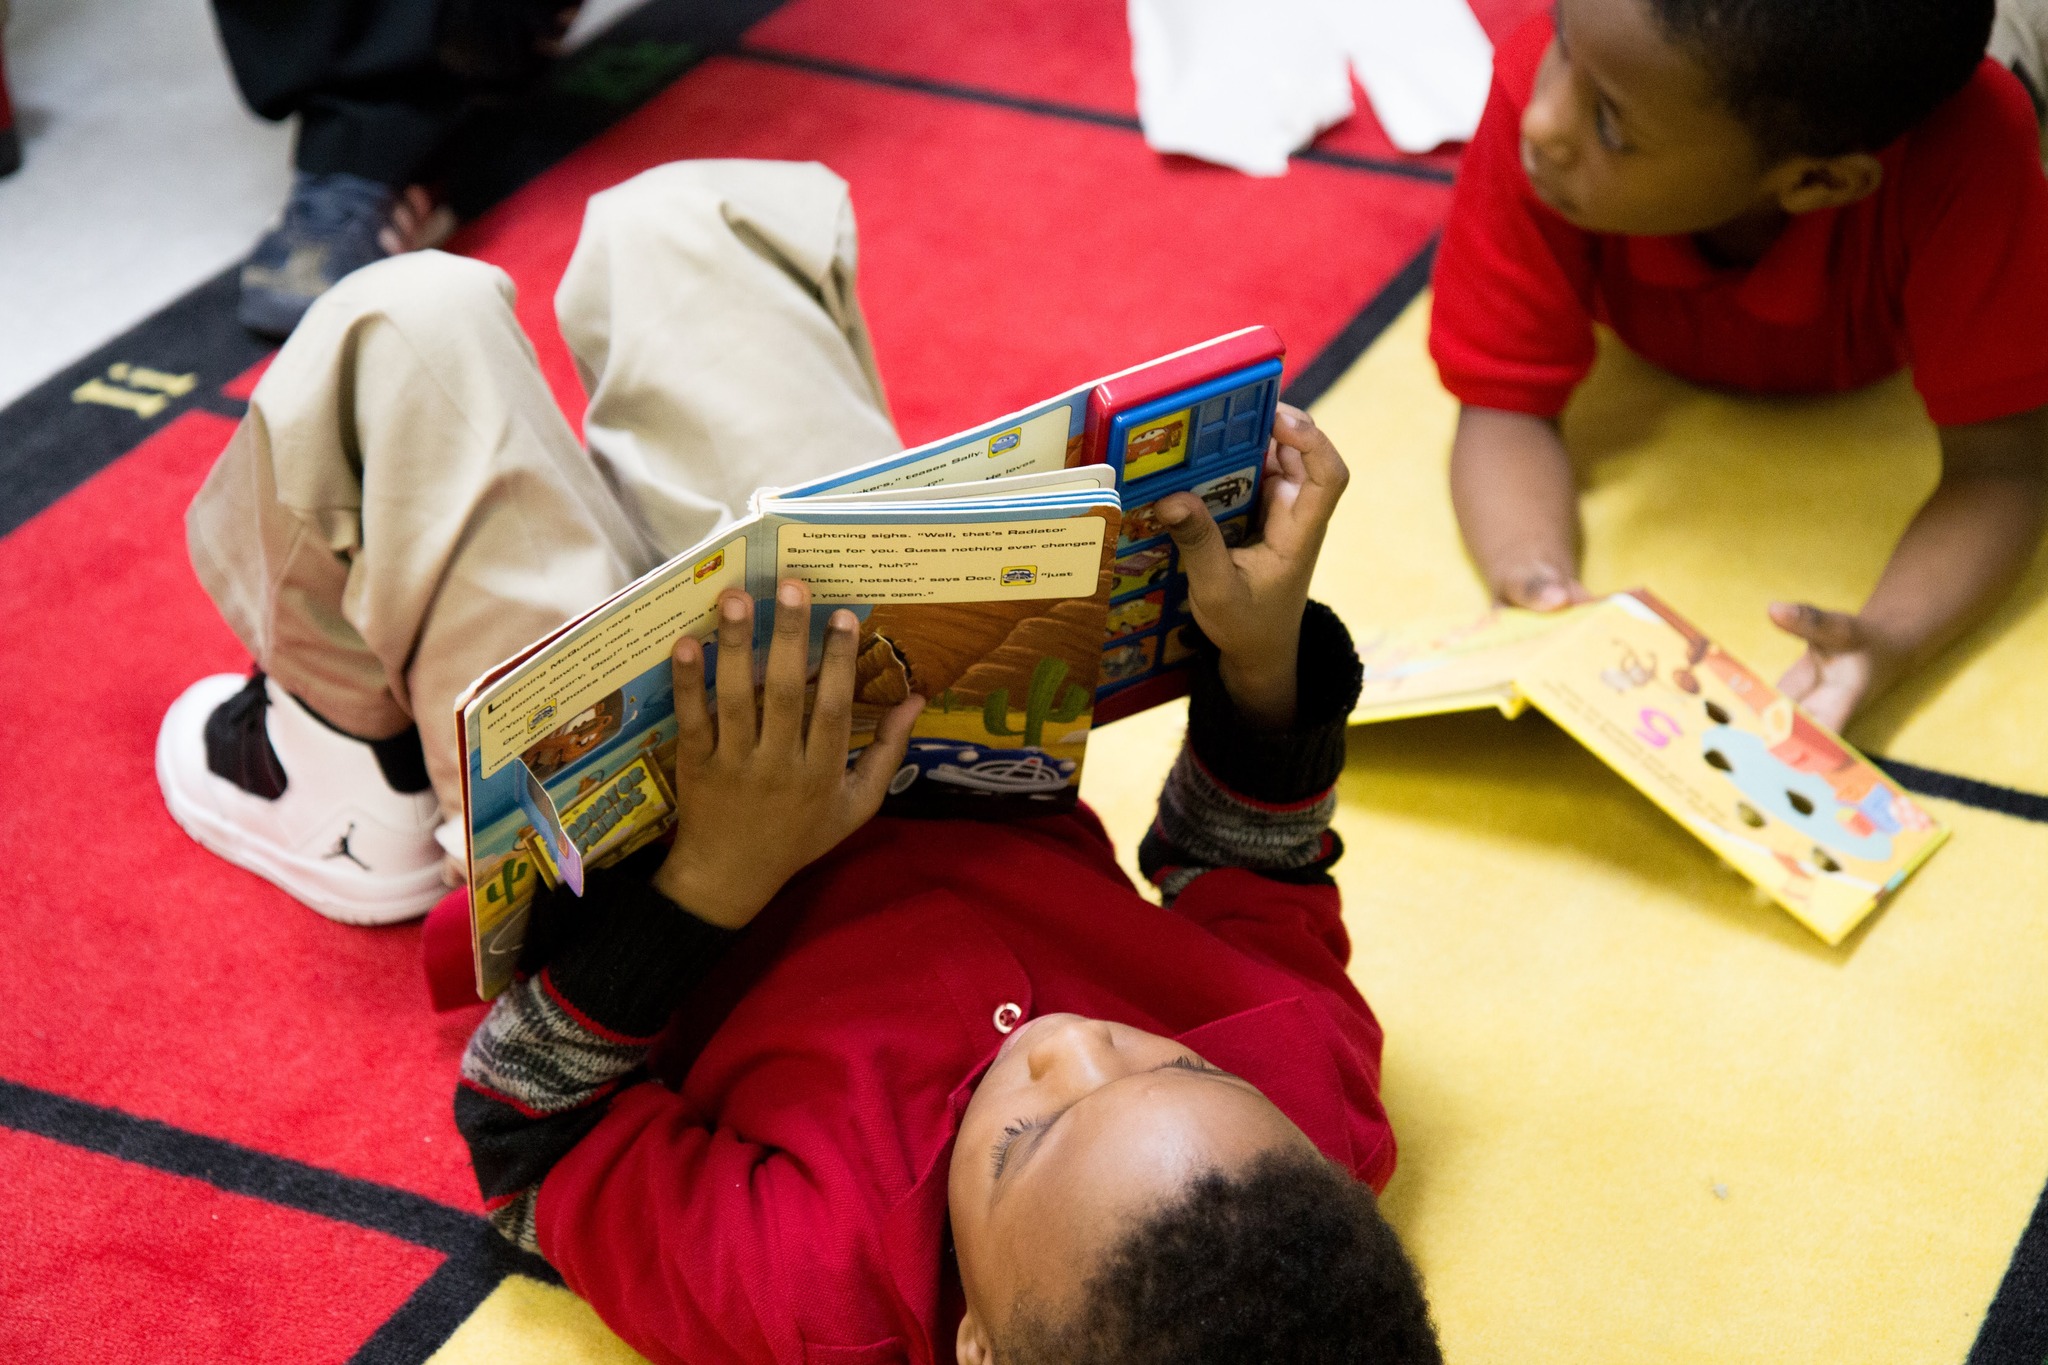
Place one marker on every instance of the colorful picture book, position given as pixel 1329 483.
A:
pixel 1790 805
pixel 1015 575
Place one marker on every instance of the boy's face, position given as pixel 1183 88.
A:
pixel 1625 132
pixel 1079 1127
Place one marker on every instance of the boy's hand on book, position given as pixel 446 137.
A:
pixel 760 799
pixel 1846 661
pixel 1249 601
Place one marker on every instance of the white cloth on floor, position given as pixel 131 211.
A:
pixel 1426 65
pixel 1238 82
pixel 1245 82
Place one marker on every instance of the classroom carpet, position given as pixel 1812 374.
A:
pixel 1643 1116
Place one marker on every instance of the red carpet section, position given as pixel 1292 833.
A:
pixel 228 1130
pixel 1005 255
pixel 154 1266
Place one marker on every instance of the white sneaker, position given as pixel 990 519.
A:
pixel 337 837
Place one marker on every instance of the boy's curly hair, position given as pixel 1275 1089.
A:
pixel 1287 1262
pixel 1826 77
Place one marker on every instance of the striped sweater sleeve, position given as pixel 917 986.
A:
pixel 542 1068
pixel 1258 799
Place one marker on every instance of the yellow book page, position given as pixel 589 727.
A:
pixel 601 653
pixel 967 561
pixel 1789 804
pixel 1463 663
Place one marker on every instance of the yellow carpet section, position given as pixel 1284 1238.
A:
pixel 525 1322
pixel 1644 1115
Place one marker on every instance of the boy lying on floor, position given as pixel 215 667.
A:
pixel 940 1085
pixel 1180 1138
pixel 1774 198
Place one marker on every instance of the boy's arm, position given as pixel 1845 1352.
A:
pixel 1517 500
pixel 545 1064
pixel 1248 796
pixel 756 802
pixel 1511 331
pixel 1274 683
pixel 1960 555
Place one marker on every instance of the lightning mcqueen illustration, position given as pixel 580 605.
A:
pixel 1155 442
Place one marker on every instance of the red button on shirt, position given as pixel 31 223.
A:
pixel 1944 269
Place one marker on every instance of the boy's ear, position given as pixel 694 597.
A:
pixel 1806 184
pixel 971 1345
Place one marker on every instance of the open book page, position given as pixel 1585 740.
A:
pixel 1044 437
pixel 1052 434
pixel 1084 479
pixel 982 567
pixel 993 607
pixel 569 748
pixel 1465 663
pixel 1196 421
pixel 1792 806
pixel 995 614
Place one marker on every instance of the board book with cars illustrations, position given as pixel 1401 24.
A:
pixel 1015 575
pixel 1790 805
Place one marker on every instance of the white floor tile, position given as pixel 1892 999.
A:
pixel 145 174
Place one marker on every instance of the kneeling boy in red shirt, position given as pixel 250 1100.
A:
pixel 1770 198
pixel 816 1087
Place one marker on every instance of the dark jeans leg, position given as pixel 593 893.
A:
pixel 364 76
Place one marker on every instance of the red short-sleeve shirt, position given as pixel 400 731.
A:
pixel 1944 269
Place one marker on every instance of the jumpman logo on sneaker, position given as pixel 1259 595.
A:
pixel 342 850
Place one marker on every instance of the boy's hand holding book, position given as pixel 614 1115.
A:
pixel 1517 501
pixel 758 801
pixel 1847 659
pixel 985 570
pixel 1249 601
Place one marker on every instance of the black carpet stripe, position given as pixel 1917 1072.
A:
pixel 1325 156
pixel 51 443
pixel 1072 113
pixel 445 1300
pixel 235 1169
pixel 1023 104
pixel 1362 331
pixel 1967 791
pixel 2015 1331
pixel 477 1257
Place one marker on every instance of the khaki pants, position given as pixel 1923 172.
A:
pixel 404 505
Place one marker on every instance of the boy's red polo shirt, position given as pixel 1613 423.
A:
pixel 787 1201
pixel 1943 269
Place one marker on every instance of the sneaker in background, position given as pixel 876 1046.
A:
pixel 345 826
pixel 332 224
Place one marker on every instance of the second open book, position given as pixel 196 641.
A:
pixel 1015 575
pixel 1789 804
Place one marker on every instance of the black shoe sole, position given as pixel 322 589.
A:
pixel 269 314
pixel 10 152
